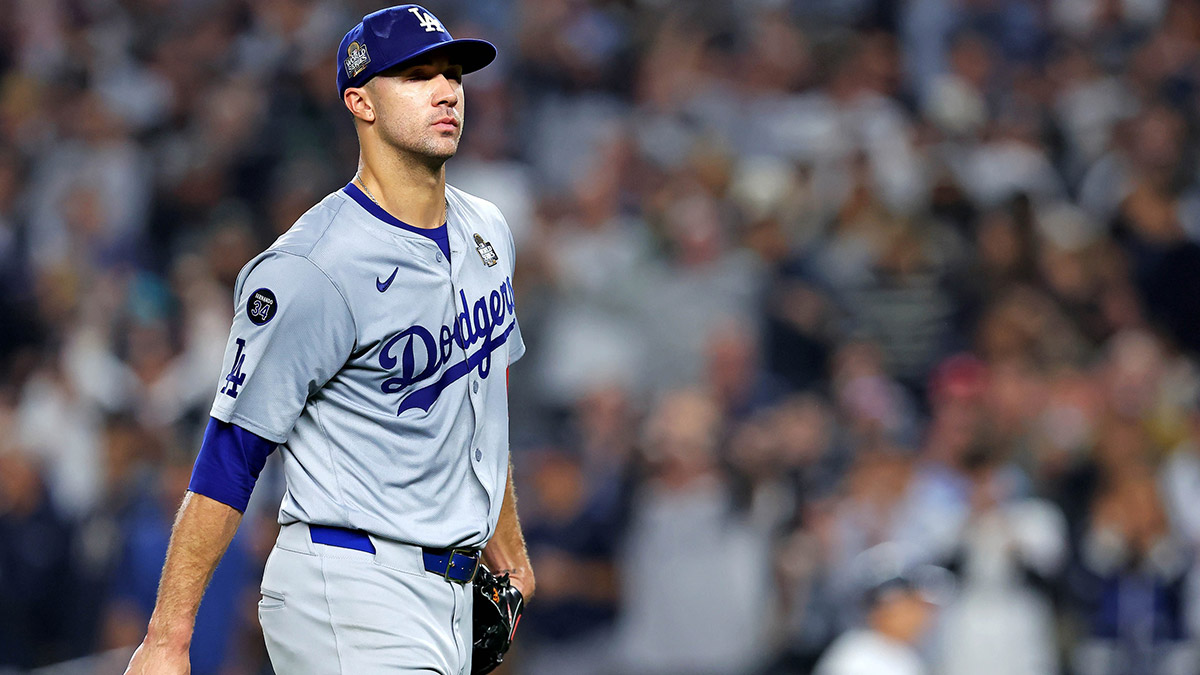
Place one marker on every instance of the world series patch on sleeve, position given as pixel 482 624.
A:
pixel 498 606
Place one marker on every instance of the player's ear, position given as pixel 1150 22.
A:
pixel 358 102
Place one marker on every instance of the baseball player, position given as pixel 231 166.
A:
pixel 370 344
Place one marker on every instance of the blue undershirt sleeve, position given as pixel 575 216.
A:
pixel 229 462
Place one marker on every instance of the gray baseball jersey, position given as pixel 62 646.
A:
pixel 379 367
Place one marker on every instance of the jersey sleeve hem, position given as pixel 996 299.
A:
pixel 248 425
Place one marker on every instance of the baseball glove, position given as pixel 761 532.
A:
pixel 498 606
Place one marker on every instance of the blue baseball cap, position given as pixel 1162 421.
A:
pixel 391 36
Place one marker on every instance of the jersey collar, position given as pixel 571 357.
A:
pixel 376 210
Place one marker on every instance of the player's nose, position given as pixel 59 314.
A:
pixel 445 91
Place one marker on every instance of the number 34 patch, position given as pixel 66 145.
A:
pixel 261 306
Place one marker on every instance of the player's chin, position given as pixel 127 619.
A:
pixel 444 147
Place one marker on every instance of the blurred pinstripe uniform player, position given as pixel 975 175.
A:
pixel 370 344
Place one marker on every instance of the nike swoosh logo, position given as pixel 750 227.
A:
pixel 383 285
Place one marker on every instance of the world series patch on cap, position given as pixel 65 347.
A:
pixel 392 36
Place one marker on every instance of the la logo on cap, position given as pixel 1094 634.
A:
pixel 428 21
pixel 396 35
pixel 357 59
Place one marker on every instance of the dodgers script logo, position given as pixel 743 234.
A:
pixel 422 355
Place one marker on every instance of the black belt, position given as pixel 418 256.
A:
pixel 455 564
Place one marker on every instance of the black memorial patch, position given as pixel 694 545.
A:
pixel 261 306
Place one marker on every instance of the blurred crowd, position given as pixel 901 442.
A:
pixel 803 283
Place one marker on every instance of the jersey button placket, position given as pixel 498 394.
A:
pixel 459 280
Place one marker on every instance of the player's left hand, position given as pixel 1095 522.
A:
pixel 497 611
pixel 523 583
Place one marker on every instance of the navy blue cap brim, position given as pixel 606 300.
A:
pixel 470 53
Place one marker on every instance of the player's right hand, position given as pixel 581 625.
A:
pixel 151 659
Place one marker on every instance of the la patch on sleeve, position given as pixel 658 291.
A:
pixel 261 306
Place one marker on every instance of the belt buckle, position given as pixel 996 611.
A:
pixel 468 552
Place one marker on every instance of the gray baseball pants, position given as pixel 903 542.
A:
pixel 331 610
